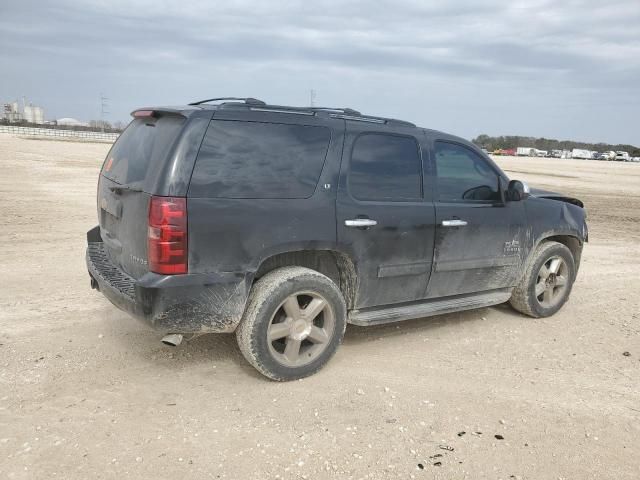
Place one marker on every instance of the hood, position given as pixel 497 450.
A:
pixel 538 193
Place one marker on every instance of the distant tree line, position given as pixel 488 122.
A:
pixel 503 142
pixel 114 127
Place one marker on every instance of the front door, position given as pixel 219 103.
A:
pixel 479 237
pixel 384 217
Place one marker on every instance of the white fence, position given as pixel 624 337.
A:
pixel 54 132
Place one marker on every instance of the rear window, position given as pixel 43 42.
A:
pixel 386 168
pixel 143 144
pixel 259 160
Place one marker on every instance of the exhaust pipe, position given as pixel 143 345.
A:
pixel 173 339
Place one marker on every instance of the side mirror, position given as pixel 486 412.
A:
pixel 517 191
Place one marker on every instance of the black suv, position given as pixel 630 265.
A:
pixel 284 224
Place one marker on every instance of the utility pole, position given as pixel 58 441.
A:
pixel 312 98
pixel 104 110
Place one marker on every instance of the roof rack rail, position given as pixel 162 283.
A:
pixel 247 100
pixel 342 113
pixel 346 111
pixel 372 119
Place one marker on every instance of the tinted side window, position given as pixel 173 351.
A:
pixel 463 175
pixel 259 160
pixel 385 167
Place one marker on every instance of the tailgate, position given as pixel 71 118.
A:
pixel 123 217
pixel 126 185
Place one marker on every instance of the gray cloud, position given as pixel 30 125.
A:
pixel 536 67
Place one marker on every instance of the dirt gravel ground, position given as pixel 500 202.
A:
pixel 85 392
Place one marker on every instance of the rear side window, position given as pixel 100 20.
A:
pixel 463 175
pixel 385 167
pixel 142 146
pixel 259 160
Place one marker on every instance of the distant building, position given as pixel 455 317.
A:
pixel 11 112
pixel 29 113
pixel 33 114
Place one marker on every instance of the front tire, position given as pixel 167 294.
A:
pixel 546 284
pixel 293 323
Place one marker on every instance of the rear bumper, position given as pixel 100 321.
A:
pixel 170 303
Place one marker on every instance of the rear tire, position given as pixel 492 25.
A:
pixel 293 323
pixel 546 284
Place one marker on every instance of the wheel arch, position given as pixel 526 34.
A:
pixel 572 242
pixel 336 265
pixel 569 239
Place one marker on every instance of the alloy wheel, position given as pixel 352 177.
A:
pixel 552 282
pixel 300 329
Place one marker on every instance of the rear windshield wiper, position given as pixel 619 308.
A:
pixel 131 187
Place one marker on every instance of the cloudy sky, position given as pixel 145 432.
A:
pixel 560 69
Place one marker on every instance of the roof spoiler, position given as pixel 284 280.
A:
pixel 149 112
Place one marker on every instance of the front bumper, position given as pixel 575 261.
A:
pixel 169 303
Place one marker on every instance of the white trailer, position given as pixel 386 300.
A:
pixel 622 156
pixel 581 153
pixel 526 152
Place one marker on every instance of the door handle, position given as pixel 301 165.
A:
pixel 453 223
pixel 360 222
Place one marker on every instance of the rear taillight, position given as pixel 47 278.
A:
pixel 167 237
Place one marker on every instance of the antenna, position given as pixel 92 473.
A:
pixel 104 110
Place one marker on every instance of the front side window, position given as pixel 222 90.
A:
pixel 385 167
pixel 259 160
pixel 463 175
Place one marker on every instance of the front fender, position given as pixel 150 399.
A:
pixel 557 220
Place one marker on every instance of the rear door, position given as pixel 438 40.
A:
pixel 478 235
pixel 126 185
pixel 385 218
